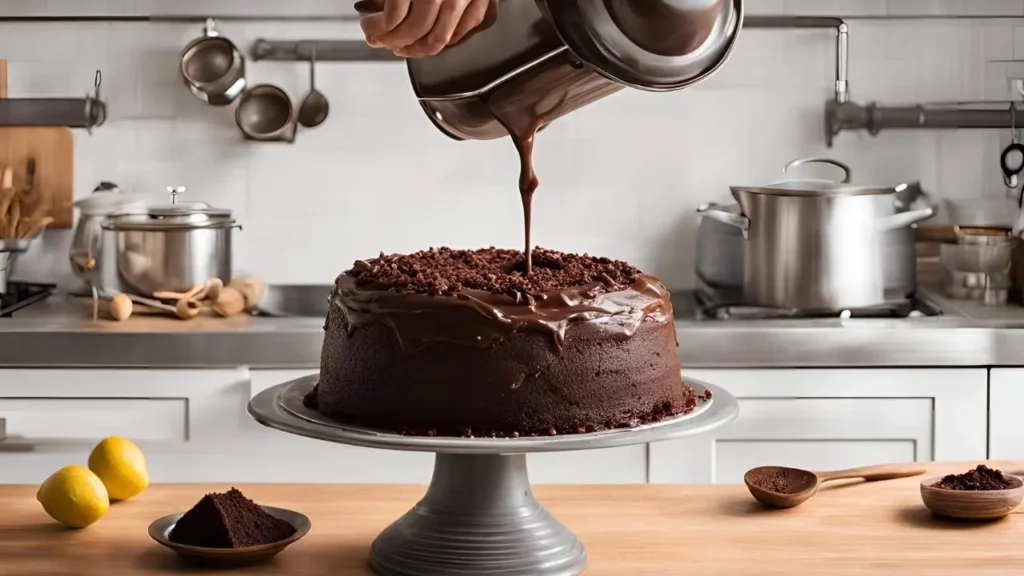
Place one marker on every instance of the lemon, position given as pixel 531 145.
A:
pixel 121 466
pixel 74 496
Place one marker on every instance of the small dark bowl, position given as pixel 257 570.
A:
pixel 977 505
pixel 230 557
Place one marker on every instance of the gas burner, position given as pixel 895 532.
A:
pixel 22 294
pixel 704 306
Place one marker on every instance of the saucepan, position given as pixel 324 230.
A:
pixel 213 67
pixel 824 245
pixel 265 113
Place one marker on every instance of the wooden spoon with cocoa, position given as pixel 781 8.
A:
pixel 782 487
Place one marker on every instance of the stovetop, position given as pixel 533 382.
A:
pixel 22 294
pixel 701 305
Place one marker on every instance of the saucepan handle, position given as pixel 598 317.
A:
pixel 715 212
pixel 904 219
pixel 847 173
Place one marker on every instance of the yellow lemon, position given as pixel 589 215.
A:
pixel 74 496
pixel 121 466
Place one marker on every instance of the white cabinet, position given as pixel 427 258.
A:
pixel 193 427
pixel 832 418
pixel 174 416
pixel 1005 425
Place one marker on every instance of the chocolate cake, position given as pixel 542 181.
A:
pixel 229 520
pixel 463 343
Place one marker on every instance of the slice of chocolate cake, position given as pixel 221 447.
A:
pixel 229 520
pixel 463 343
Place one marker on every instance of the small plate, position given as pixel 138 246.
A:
pixel 160 529
pixel 978 505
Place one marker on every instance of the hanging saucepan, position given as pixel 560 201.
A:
pixel 817 244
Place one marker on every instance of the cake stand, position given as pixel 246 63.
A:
pixel 479 515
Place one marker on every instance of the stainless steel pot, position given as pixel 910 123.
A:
pixel 813 244
pixel 543 59
pixel 165 248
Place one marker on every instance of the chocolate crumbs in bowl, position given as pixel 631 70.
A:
pixel 980 478
pixel 446 271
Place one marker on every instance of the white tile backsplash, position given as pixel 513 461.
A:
pixel 621 177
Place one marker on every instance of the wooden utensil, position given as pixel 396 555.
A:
pixel 25 149
pixel 197 292
pixel 187 309
pixel 782 487
pixel 251 288
pixel 119 307
pixel 972 504
pixel 229 302
pixel 7 194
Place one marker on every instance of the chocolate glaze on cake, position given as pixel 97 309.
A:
pixel 462 343
pixel 228 520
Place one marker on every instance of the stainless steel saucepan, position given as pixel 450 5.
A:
pixel 168 248
pixel 823 245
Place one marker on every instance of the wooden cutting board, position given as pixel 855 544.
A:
pixel 53 149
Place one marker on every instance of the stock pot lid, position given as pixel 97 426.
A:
pixel 173 216
pixel 154 219
pixel 814 188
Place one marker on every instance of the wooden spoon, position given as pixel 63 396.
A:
pixel 781 487
pixel 229 302
pixel 120 307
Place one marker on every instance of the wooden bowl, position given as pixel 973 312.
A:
pixel 972 504
pixel 160 529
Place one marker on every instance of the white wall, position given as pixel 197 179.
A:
pixel 621 177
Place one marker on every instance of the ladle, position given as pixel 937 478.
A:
pixel 782 487
pixel 315 106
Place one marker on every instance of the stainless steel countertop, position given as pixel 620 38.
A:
pixel 57 333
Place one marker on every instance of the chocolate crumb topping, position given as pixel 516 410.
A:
pixel 446 271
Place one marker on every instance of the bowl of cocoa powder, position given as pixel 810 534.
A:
pixel 981 493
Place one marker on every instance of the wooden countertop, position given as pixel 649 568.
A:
pixel 852 528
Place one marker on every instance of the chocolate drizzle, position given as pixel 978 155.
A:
pixel 478 318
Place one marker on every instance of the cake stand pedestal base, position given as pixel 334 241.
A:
pixel 478 516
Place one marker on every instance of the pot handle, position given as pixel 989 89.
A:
pixel 904 219
pixel 715 212
pixel 847 173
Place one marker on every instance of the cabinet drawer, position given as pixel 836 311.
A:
pixel 832 419
pixel 74 420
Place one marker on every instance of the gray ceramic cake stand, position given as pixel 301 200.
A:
pixel 479 516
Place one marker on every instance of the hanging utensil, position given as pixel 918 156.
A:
pixel 315 106
pixel 1012 159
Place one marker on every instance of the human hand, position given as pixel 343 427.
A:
pixel 418 28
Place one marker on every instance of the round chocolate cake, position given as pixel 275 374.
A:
pixel 464 343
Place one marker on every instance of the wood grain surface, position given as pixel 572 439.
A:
pixel 848 528
pixel 53 149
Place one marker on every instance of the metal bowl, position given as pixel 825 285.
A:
pixel 265 112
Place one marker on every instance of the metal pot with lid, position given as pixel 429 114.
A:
pixel 105 199
pixel 823 245
pixel 170 247
pixel 537 60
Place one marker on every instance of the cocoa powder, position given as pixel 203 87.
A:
pixel 980 478
pixel 776 480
